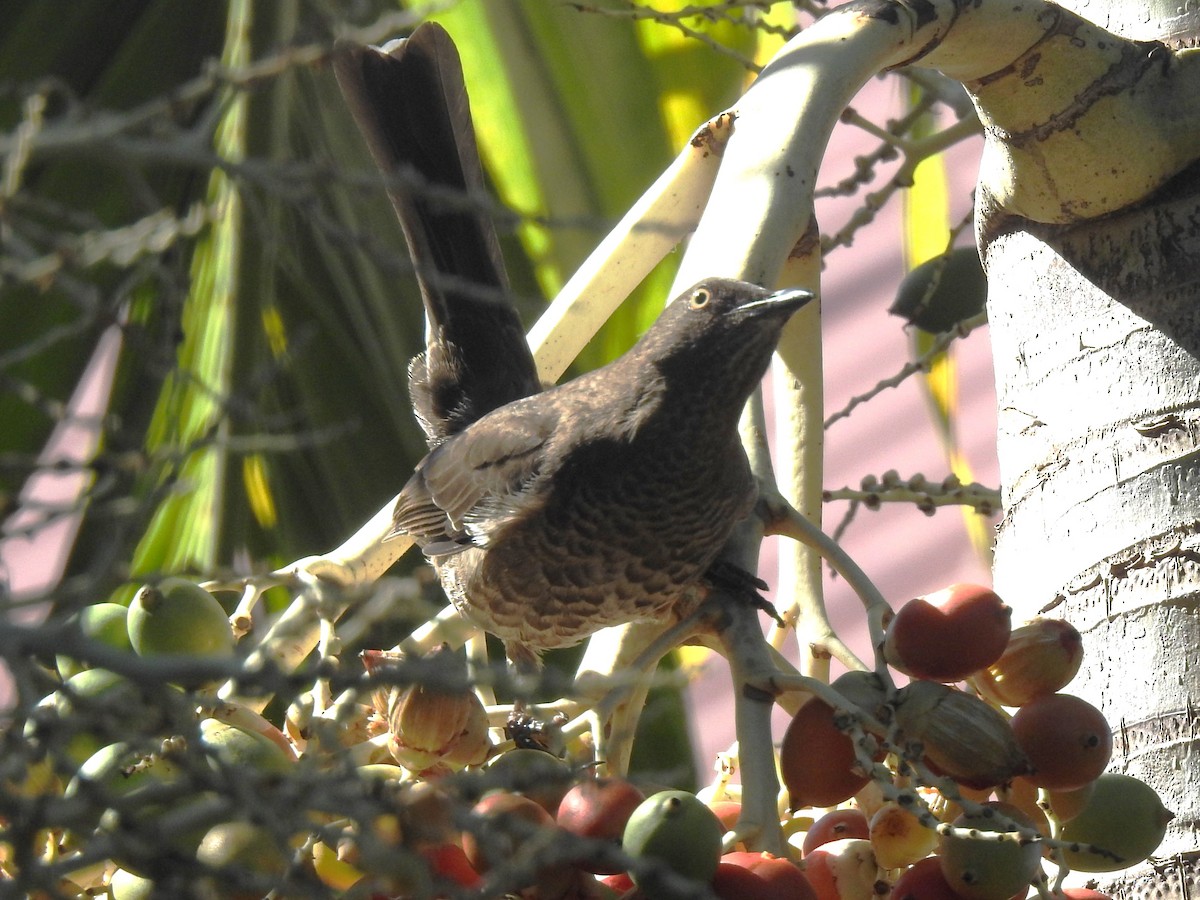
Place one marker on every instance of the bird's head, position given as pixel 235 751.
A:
pixel 721 328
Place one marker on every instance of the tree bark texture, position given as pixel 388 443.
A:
pixel 1096 338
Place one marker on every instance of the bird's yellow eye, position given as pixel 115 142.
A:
pixel 700 298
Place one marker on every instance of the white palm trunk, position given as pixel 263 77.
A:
pixel 1096 340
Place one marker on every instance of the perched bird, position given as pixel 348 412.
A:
pixel 411 104
pixel 606 499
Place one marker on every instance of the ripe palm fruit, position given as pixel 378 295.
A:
pixel 923 881
pixel 1123 816
pixel 817 759
pixel 961 736
pixel 1042 657
pixel 843 870
pixel 177 617
pixel 676 830
pixel 1023 794
pixel 599 808
pixel 506 828
pixel 745 875
pixel 1066 805
pixel 948 635
pixel 982 868
pixel 1067 740
pixel 898 836
pixel 836 825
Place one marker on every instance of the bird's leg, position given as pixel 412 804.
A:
pixel 732 579
pixel 753 672
pixel 524 727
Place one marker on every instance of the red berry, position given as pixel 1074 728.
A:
pixel 450 862
pixel 950 634
pixel 760 876
pixel 835 826
pixel 1067 740
pixel 923 881
pixel 599 808
pixel 817 760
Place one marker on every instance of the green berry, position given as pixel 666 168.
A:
pixel 676 830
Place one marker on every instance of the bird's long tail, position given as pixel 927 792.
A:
pixel 410 102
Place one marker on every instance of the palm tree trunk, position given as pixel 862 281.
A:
pixel 1096 338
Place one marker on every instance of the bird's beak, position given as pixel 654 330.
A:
pixel 785 301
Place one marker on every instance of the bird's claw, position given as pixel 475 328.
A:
pixel 737 582
pixel 527 731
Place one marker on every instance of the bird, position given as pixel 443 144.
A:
pixel 607 499
pixel 549 515
pixel 410 102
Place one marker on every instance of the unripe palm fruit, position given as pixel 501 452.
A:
pixel 90 706
pixel 943 291
pixel 124 775
pixel 245 849
pixel 979 868
pixel 950 634
pixel 1123 816
pixel 1042 657
pixel 101 622
pixel 676 830
pixel 124 885
pixel 540 776
pixel 235 747
pixel 178 617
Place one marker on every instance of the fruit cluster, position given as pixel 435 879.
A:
pixel 136 779
pixel 930 767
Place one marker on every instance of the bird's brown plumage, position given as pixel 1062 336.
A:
pixel 606 499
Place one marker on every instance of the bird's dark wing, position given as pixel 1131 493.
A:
pixel 468 488
pixel 411 104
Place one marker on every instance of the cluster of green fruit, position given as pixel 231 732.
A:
pixel 122 776
pixel 129 784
